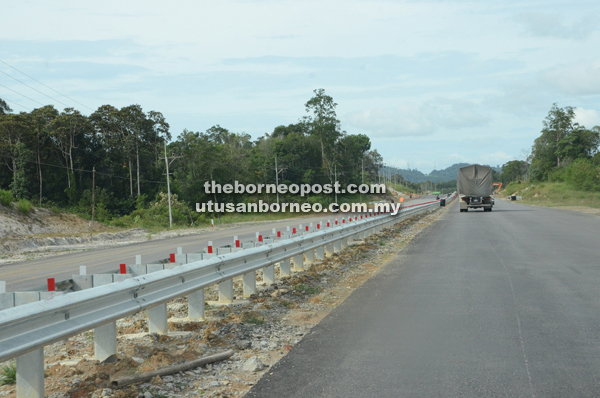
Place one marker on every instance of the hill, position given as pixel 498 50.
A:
pixel 414 175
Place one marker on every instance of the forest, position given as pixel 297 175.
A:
pixel 54 158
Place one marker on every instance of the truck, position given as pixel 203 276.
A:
pixel 474 187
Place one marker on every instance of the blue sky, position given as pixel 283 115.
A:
pixel 431 82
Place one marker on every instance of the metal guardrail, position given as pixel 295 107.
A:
pixel 26 329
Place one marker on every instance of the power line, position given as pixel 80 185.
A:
pixel 16 103
pixel 60 166
pixel 30 99
pixel 35 89
pixel 58 92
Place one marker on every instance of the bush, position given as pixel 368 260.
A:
pixel 584 175
pixel 24 206
pixel 8 374
pixel 6 197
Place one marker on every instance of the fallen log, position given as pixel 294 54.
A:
pixel 125 381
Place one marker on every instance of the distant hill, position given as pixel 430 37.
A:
pixel 448 174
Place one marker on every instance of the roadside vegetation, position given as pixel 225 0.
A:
pixel 8 373
pixel 52 159
pixel 554 194
pixel 563 167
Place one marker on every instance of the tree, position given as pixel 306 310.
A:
pixel 67 128
pixel 324 125
pixel 14 135
pixel 579 143
pixel 558 124
pixel 42 120
pixel 514 170
pixel 4 108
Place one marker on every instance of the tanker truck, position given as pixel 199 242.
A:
pixel 474 187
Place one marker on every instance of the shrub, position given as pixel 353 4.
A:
pixel 6 197
pixel 24 206
pixel 584 175
pixel 8 374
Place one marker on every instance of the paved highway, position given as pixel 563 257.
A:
pixel 500 304
pixel 33 274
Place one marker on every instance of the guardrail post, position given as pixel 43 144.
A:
pixel 269 275
pixel 337 246
pixel 320 252
pixel 285 267
pixel 344 243
pixel 299 262
pixel 226 291
pixel 138 259
pixel 249 284
pixel 30 374
pixel 329 249
pixel 105 336
pixel 196 305
pixel 310 256
pixel 105 341
pixel 157 319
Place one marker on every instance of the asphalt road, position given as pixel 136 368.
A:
pixel 33 274
pixel 500 304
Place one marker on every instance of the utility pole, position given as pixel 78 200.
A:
pixel 167 163
pixel 276 179
pixel 362 174
pixel 335 172
pixel 93 200
pixel 168 188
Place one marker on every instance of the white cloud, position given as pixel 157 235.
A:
pixel 575 79
pixel 422 119
pixel 587 117
pixel 495 158
pixel 404 120
pixel 540 24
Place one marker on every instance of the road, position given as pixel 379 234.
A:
pixel 500 304
pixel 30 275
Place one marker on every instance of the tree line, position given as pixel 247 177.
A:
pixel 564 152
pixel 51 157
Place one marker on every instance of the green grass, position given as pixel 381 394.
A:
pixel 255 321
pixel 306 289
pixel 402 188
pixel 253 317
pixel 6 197
pixel 24 206
pixel 8 374
pixel 553 194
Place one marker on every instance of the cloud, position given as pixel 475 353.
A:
pixel 495 158
pixel 540 24
pixel 587 117
pixel 404 120
pixel 418 119
pixel 577 79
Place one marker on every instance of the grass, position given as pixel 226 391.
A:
pixel 24 206
pixel 8 374
pixel 6 197
pixel 306 289
pixel 553 194
pixel 255 321
pixel 253 317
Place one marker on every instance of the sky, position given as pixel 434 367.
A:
pixel 432 83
